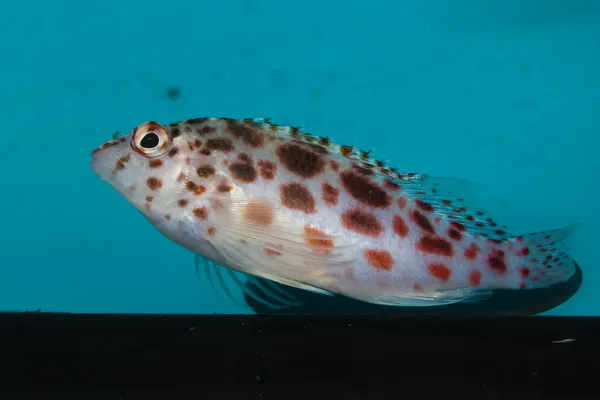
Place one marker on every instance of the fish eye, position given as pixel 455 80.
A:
pixel 151 139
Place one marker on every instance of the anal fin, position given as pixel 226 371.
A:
pixel 263 291
pixel 438 298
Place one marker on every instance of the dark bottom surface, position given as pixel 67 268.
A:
pixel 297 357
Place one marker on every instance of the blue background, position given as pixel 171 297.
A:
pixel 502 92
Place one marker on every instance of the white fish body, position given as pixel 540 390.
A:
pixel 276 203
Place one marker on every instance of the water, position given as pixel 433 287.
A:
pixel 505 93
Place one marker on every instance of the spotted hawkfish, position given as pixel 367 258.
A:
pixel 277 205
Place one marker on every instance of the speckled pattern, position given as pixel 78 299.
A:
pixel 278 203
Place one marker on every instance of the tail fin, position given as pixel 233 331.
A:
pixel 543 258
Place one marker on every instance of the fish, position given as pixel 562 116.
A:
pixel 274 205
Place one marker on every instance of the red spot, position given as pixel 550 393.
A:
pixel 330 194
pixel 361 222
pixel 365 191
pixel 520 239
pixel 475 278
pixel 402 202
pixel 472 251
pixel 334 165
pixel 379 259
pixel 440 271
pixel 270 252
pixel 200 212
pixel 297 197
pixel 400 226
pixel 317 243
pixel 524 251
pixel 435 245
pixel 422 221
pixel 496 261
pixel 524 271
pixel 417 287
pixel 423 205
pixel 454 234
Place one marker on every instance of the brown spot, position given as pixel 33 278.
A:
pixel 394 187
pixel 417 287
pixel 362 170
pixel 523 252
pixel 245 158
pixel 154 183
pixel 243 172
pixel 183 203
pixel 440 271
pixel 312 146
pixel 196 121
pixel 119 165
pixel 400 226
pixel 475 278
pixel 300 161
pixel 212 231
pixel 454 234
pixel 194 188
pixel 168 217
pixel 155 163
pixel 219 144
pixel 472 251
pixel 259 212
pixel 423 205
pixel 224 188
pixel 149 199
pixel 496 261
pixel 330 194
pixel 361 222
pixel 402 202
pixel 267 169
pixel 206 171
pixel 422 221
pixel 364 190
pixel 379 259
pixel 435 245
pixel 334 165
pixel 200 212
pixel 309 230
pixel 246 131
pixel 458 226
pixel 175 132
pixel 297 197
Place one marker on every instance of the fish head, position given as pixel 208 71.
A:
pixel 147 166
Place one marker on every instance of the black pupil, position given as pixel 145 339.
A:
pixel 149 141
